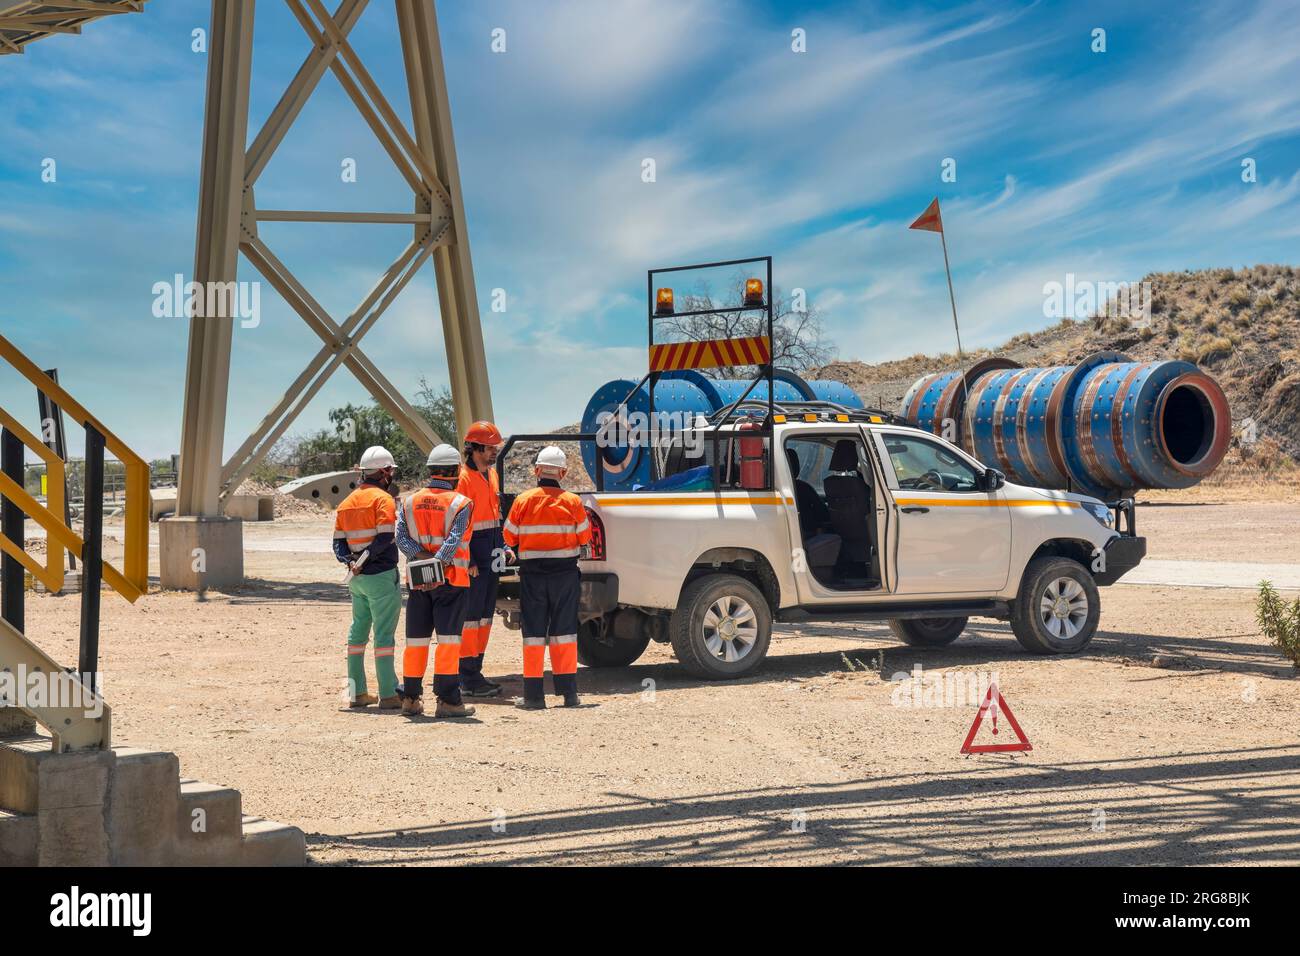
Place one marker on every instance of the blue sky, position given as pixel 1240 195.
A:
pixel 1107 165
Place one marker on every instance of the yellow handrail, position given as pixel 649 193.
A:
pixel 133 580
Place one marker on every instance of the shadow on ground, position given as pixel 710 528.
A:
pixel 1200 809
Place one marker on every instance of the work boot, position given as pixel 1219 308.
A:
pixel 571 700
pixel 363 700
pixel 453 710
pixel 390 703
pixel 476 685
pixel 412 706
pixel 528 703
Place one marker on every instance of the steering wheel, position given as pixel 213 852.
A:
pixel 935 479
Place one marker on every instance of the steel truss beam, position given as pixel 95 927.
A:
pixel 426 160
pixel 25 21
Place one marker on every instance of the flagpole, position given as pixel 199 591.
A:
pixel 953 299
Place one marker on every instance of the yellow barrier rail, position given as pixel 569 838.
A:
pixel 132 580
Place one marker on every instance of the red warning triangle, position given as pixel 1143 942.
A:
pixel 989 707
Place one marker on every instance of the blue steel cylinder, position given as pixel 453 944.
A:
pixel 1107 426
pixel 679 397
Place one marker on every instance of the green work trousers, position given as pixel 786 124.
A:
pixel 377 601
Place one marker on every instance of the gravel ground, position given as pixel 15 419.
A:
pixel 1174 739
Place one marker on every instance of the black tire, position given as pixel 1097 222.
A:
pixel 1034 628
pixel 928 631
pixel 687 629
pixel 593 652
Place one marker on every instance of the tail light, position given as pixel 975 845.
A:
pixel 597 536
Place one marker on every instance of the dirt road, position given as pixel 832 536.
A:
pixel 1174 739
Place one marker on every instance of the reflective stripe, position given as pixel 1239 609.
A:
pixel 448 638
pixel 564 639
pixel 511 527
pixel 460 562
pixel 484 525
pixel 534 641
pixel 548 528
pixel 559 553
pixel 584 526
pixel 417 642
pixel 356 648
pixel 383 652
pixel 338 535
pixel 385 529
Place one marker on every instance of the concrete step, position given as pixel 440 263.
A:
pixel 19 839
pixel 144 797
pixel 127 807
pixel 209 825
pixel 267 843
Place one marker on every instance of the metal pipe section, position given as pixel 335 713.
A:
pixel 623 454
pixel 1107 427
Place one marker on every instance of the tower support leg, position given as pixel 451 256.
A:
pixel 207 372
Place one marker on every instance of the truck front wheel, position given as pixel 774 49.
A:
pixel 928 631
pixel 1058 607
pixel 722 627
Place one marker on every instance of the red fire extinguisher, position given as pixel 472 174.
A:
pixel 752 472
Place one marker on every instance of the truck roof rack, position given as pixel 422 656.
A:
pixel 811 410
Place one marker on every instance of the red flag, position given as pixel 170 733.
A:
pixel 930 219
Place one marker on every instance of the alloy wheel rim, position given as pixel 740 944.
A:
pixel 1063 609
pixel 730 628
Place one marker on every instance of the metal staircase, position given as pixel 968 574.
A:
pixel 67 795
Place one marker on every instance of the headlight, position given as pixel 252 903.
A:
pixel 1100 512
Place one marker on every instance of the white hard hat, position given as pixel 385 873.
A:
pixel 552 457
pixel 443 456
pixel 376 457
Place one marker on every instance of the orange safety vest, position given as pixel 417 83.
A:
pixel 547 522
pixel 429 515
pixel 486 495
pixel 367 512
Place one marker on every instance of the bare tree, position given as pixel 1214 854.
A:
pixel 798 342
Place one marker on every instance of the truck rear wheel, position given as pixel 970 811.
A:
pixel 928 631
pixel 611 652
pixel 1058 607
pixel 722 627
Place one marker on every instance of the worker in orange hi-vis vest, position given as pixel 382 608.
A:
pixel 364 526
pixel 478 482
pixel 548 529
pixel 434 525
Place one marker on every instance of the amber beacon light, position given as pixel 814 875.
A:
pixel 664 302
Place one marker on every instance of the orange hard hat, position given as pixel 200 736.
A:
pixel 483 433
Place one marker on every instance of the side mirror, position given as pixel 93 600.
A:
pixel 993 479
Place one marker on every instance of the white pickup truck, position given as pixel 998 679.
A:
pixel 857 518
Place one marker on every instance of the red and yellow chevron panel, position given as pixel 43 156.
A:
pixel 710 353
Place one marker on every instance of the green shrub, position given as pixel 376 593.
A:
pixel 1279 621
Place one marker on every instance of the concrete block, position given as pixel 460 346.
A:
pixel 33 777
pixel 73 836
pixel 221 561
pixel 15 723
pixel 19 837
pixel 267 843
pixel 329 488
pixel 144 795
pixel 251 507
pixel 219 841
pixel 161 501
